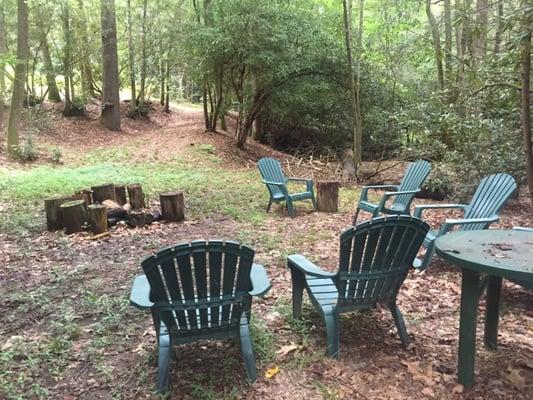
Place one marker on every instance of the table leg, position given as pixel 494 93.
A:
pixel 467 326
pixel 492 311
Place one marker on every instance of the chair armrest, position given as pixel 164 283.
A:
pixel 387 195
pixel 450 223
pixel 365 189
pixel 308 182
pixel 260 281
pixel 140 293
pixel 307 267
pixel 522 228
pixel 419 209
pixel 273 183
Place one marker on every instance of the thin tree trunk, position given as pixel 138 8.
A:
pixel 459 43
pixel 347 14
pixel 53 91
pixel 525 52
pixel 67 109
pixel 499 27
pixel 85 67
pixel 436 44
pixel 480 40
pixel 2 68
pixel 448 40
pixel 131 55
pixel 144 61
pixel 167 91
pixel 20 77
pixel 110 90
pixel 162 74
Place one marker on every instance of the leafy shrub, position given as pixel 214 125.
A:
pixel 28 151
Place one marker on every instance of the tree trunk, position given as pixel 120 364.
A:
pixel 87 80
pixel 103 192
pixel 53 91
pixel 2 68
pixel 132 110
pixel 67 109
pixel 436 44
pixel 167 92
pixel 110 93
pixel 525 52
pixel 144 61
pixel 499 27
pixel 459 43
pixel 19 79
pixel 354 90
pixel 53 212
pixel 120 194
pixel 448 40
pixel 162 75
pixel 327 196
pixel 480 39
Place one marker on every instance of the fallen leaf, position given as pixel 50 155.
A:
pixel 271 372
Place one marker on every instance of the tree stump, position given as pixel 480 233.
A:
pixel 120 194
pixel 73 215
pixel 103 192
pixel 54 220
pixel 327 196
pixel 172 206
pixel 135 193
pixel 86 195
pixel 137 219
pixel 97 218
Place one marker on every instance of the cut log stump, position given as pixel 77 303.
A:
pixel 86 195
pixel 53 212
pixel 172 206
pixel 120 194
pixel 103 192
pixel 73 215
pixel 97 218
pixel 137 219
pixel 136 196
pixel 328 196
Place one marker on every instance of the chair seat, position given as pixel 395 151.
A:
pixel 322 291
pixel 301 196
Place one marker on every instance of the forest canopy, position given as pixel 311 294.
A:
pixel 439 80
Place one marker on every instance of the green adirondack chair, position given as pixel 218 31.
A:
pixel 276 183
pixel 374 259
pixel 490 196
pixel 196 291
pixel 402 194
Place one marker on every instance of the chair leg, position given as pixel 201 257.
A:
pixel 314 201
pixel 428 256
pixel 290 208
pixel 163 361
pixel 400 323
pixel 298 284
pixel 331 318
pixel 247 351
pixel 269 204
pixel 355 216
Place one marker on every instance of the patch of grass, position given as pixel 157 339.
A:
pixel 327 392
pixel 206 393
pixel 263 341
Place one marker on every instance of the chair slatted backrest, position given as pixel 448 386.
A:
pixel 200 285
pixel 414 177
pixel 375 257
pixel 271 171
pixel 491 194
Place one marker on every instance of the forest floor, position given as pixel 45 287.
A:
pixel 67 330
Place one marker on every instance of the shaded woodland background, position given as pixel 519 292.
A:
pixel 447 81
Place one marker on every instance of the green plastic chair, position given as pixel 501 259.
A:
pixel 491 194
pixel 374 260
pixel 402 194
pixel 196 291
pixel 276 183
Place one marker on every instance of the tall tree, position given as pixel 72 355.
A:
pixel 67 61
pixel 19 79
pixel 87 84
pixel 132 109
pixel 53 91
pixel 448 39
pixel 499 27
pixel 144 59
pixel 110 93
pixel 525 52
pixel 434 27
pixel 480 38
pixel 354 90
pixel 2 67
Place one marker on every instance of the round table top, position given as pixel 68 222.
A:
pixel 505 253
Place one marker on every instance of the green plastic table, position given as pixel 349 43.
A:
pixel 494 254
